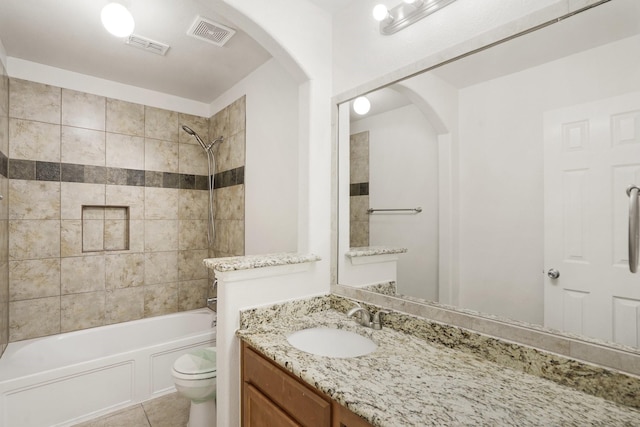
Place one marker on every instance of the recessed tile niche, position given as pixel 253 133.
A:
pixel 105 228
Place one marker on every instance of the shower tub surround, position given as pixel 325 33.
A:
pixel 104 369
pixel 82 169
pixel 427 373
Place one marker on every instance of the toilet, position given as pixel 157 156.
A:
pixel 194 375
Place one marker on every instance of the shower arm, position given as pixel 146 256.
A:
pixel 634 229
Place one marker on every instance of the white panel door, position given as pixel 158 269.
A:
pixel 592 153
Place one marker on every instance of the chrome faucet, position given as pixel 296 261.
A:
pixel 365 316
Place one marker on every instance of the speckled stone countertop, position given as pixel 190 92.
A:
pixel 249 262
pixel 374 250
pixel 413 381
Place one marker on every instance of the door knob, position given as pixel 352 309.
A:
pixel 553 273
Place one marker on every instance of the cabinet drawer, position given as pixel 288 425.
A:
pixel 298 400
pixel 258 410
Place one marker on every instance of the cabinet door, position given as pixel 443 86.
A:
pixel 302 403
pixel 258 411
pixel 342 417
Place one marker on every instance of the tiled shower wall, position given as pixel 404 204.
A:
pixel 229 123
pixel 70 149
pixel 359 189
pixel 4 223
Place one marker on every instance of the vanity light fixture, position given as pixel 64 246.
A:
pixel 361 105
pixel 117 20
pixel 406 13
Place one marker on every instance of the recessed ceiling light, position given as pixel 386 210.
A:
pixel 117 20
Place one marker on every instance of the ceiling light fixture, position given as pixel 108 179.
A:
pixel 361 105
pixel 117 20
pixel 406 13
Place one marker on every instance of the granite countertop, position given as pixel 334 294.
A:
pixel 409 381
pixel 249 262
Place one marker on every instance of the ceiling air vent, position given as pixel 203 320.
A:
pixel 209 31
pixel 147 44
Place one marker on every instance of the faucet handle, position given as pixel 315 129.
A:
pixel 365 316
pixel 376 323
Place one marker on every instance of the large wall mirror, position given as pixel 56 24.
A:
pixel 519 157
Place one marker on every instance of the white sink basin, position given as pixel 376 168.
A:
pixel 331 342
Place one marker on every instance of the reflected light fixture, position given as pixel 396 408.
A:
pixel 361 105
pixel 406 13
pixel 117 20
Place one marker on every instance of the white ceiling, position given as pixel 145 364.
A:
pixel 68 34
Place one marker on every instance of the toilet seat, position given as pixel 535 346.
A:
pixel 196 365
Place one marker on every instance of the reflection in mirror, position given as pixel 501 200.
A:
pixel 519 157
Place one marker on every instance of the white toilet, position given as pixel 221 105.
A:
pixel 194 375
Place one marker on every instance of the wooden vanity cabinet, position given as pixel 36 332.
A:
pixel 273 397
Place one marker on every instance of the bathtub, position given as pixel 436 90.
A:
pixel 65 379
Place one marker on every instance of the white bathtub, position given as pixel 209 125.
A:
pixel 68 378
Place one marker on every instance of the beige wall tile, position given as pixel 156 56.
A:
pixel 82 146
pixel 229 202
pixel 34 278
pixel 34 239
pixel 34 101
pixel 160 124
pixel 160 267
pixel 4 134
pixel 136 236
pixel 231 153
pixel 190 265
pixel 192 234
pixel 161 156
pixel 34 199
pixel 82 311
pixel 126 195
pixel 123 305
pixel 4 189
pixel 193 204
pixel 219 124
pixel 161 203
pixel 34 318
pixel 192 294
pixel 124 151
pixel 199 124
pixel 83 110
pixel 92 235
pixel 82 274
pixel 160 299
pixel 116 234
pixel 70 238
pixel 236 237
pixel 125 117
pixel 192 160
pixel 160 235
pixel 74 195
pixel 237 116
pixel 124 271
pixel 29 140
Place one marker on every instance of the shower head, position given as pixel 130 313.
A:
pixel 193 133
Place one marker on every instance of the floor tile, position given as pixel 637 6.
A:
pixel 171 410
pixel 130 417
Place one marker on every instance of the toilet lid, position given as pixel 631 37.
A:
pixel 196 362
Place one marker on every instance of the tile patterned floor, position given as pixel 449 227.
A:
pixel 166 411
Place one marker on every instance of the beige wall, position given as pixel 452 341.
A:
pixel 68 149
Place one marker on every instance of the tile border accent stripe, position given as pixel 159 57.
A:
pixel 36 170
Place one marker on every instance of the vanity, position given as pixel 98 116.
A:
pixel 422 373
